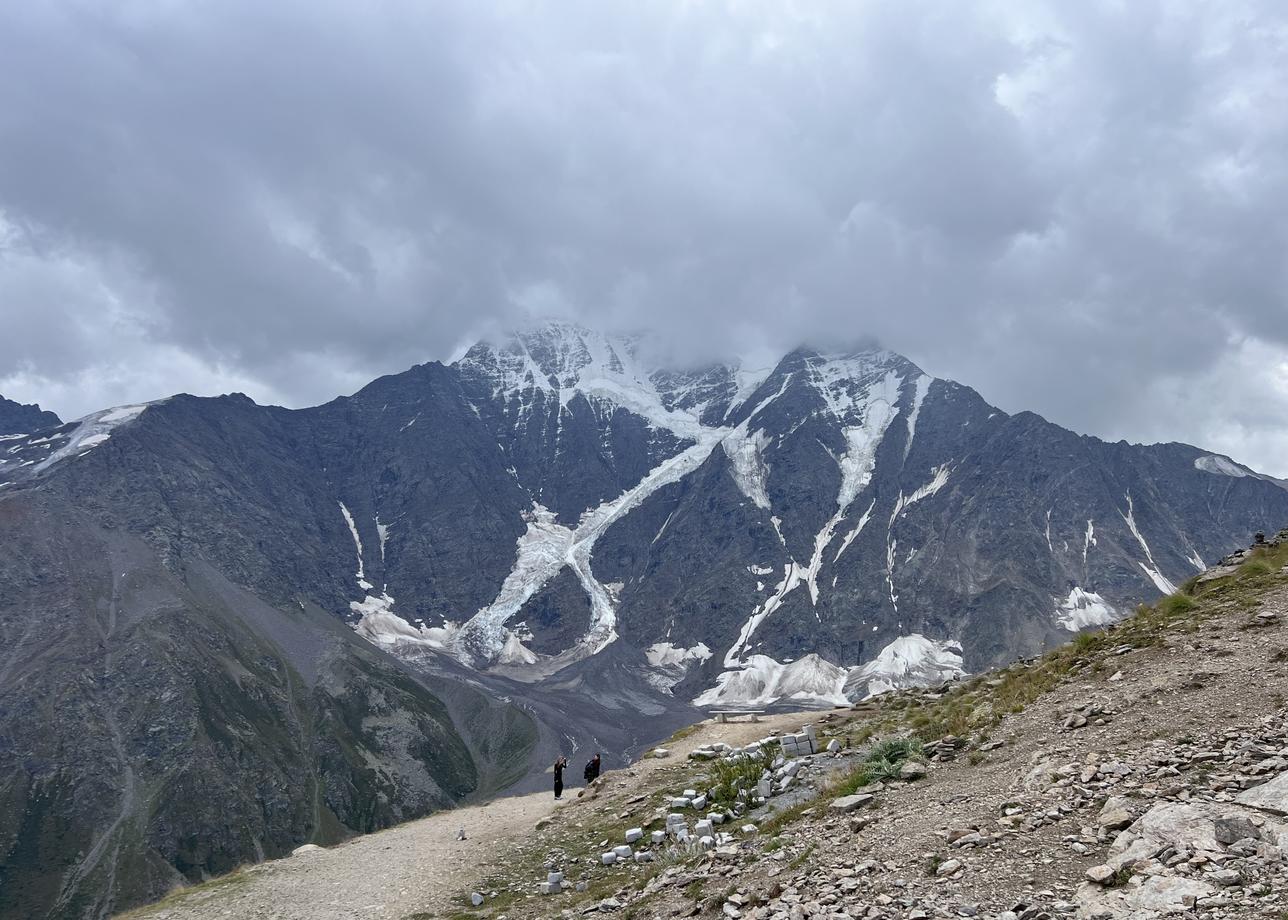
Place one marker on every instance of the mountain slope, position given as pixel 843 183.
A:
pixel 555 544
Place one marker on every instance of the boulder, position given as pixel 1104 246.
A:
pixel 1100 874
pixel 911 770
pixel 1271 796
pixel 1116 814
pixel 1155 896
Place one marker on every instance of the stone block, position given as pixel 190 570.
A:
pixel 848 803
pixel 634 834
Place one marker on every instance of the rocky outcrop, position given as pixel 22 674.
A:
pixel 17 418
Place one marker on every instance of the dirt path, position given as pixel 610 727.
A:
pixel 415 868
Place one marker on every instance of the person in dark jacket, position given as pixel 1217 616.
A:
pixel 560 763
pixel 592 769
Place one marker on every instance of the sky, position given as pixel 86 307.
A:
pixel 1079 209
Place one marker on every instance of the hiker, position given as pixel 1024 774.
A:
pixel 560 762
pixel 592 769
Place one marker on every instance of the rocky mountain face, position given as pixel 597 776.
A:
pixel 17 418
pixel 334 618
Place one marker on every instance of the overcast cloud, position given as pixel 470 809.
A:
pixel 1077 208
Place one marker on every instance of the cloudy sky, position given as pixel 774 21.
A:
pixel 1077 208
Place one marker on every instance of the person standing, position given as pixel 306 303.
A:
pixel 592 769
pixel 560 763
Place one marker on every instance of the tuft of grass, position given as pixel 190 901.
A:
pixel 1176 603
pixel 726 777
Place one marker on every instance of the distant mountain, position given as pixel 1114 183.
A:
pixel 16 418
pixel 553 543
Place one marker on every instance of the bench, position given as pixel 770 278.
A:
pixel 722 715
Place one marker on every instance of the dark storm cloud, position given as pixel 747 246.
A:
pixel 1076 208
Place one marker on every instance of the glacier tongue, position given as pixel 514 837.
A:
pixel 542 550
pixel 764 681
pixel 909 661
pixel 1082 609
pixel 547 546
pixel 92 431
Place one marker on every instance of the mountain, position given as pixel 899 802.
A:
pixel 361 611
pixel 16 418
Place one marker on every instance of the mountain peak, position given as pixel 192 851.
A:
pixel 17 418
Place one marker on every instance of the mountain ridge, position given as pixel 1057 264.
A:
pixel 587 548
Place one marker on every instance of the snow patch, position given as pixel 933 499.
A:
pixel 1151 569
pixel 792 577
pixel 877 409
pixel 1220 466
pixel 849 537
pixel 1082 609
pixel 918 397
pixel 1088 539
pixel 357 542
pixel 909 661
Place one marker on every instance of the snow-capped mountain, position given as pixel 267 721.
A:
pixel 555 542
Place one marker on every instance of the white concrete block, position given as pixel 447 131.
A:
pixel 634 834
